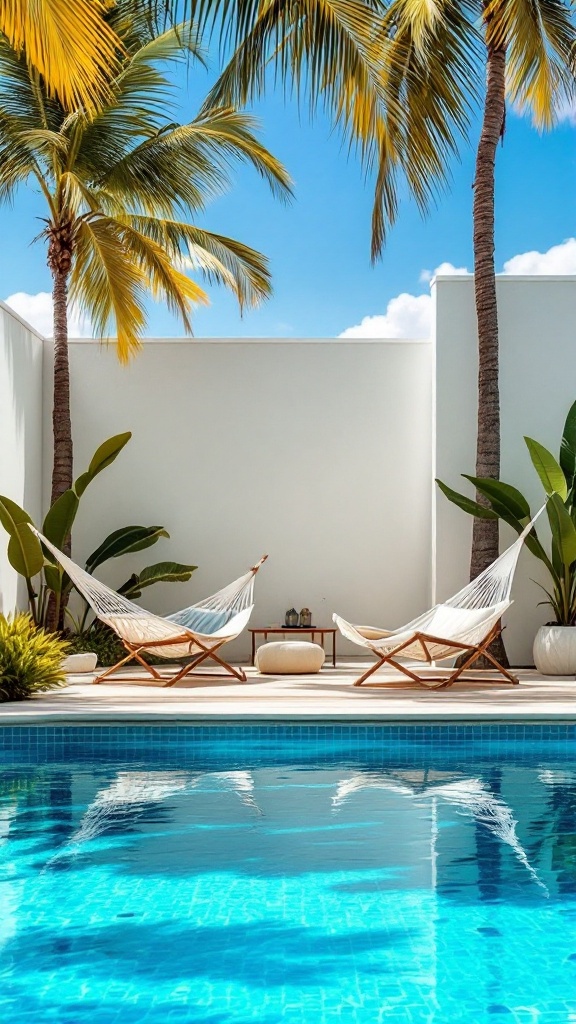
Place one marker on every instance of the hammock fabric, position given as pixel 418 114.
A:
pixel 467 622
pixel 196 632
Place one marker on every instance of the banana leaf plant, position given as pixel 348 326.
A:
pixel 507 503
pixel 45 577
pixel 125 541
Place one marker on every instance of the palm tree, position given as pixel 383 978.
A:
pixel 515 50
pixel 70 45
pixel 116 187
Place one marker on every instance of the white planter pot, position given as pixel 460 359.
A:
pixel 555 650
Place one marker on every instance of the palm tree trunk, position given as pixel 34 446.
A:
pixel 60 261
pixel 485 547
pixel 62 477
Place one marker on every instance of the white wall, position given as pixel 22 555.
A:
pixel 315 452
pixel 537 386
pixel 20 434
pixel 321 453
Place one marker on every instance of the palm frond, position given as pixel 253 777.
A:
pixel 227 135
pixel 69 44
pixel 187 165
pixel 46 144
pixel 427 98
pixel 398 82
pixel 75 196
pixel 312 46
pixel 115 266
pixel 176 43
pixel 165 280
pixel 539 36
pixel 433 79
pixel 108 286
pixel 220 259
pixel 22 96
pixel 17 164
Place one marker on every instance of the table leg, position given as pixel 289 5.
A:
pixel 333 650
pixel 253 648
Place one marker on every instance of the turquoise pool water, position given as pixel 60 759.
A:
pixel 362 874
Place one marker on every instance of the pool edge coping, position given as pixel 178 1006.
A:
pixel 234 718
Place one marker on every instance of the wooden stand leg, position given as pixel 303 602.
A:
pixel 370 672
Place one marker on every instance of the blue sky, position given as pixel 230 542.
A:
pixel 318 245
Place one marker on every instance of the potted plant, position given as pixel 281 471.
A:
pixel 555 643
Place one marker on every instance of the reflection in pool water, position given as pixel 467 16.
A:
pixel 376 884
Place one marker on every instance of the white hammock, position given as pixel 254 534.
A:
pixel 199 630
pixel 461 623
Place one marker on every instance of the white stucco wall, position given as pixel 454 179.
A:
pixel 315 452
pixel 20 434
pixel 537 317
pixel 321 453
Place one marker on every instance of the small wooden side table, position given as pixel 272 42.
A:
pixel 296 631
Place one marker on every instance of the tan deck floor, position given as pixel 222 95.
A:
pixel 328 695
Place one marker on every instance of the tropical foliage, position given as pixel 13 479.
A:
pixel 71 45
pixel 402 79
pixel 100 640
pixel 120 190
pixel 30 659
pixel 506 503
pixel 362 63
pixel 49 597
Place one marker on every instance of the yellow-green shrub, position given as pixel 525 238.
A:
pixel 30 659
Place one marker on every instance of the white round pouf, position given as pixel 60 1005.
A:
pixel 76 663
pixel 289 657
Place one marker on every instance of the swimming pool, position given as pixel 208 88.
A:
pixel 295 873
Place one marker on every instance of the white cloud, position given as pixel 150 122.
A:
pixel 37 310
pixel 410 316
pixel 406 316
pixel 443 268
pixel 559 259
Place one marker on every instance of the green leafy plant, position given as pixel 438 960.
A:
pixel 100 640
pixel 507 503
pixel 25 552
pixel 45 578
pixel 125 541
pixel 30 658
